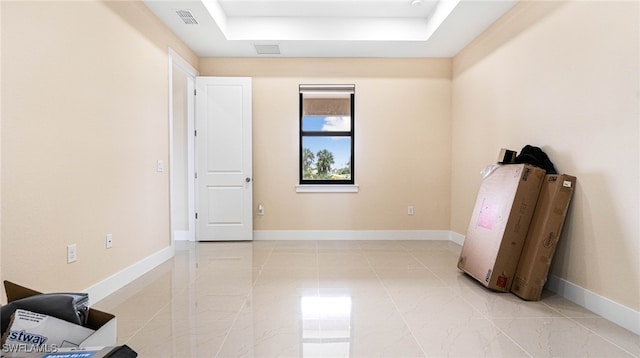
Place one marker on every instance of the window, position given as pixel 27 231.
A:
pixel 326 134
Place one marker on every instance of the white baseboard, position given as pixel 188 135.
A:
pixel 351 235
pixel 602 306
pixel 118 280
pixel 181 235
pixel 457 238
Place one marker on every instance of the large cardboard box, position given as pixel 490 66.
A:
pixel 104 324
pixel 544 233
pixel 499 223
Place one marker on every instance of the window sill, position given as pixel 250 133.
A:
pixel 320 188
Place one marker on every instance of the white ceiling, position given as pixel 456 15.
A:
pixel 329 28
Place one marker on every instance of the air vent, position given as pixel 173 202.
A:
pixel 187 17
pixel 267 49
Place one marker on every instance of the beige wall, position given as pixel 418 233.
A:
pixel 84 119
pixel 563 76
pixel 402 143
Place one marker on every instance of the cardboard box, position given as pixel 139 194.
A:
pixel 96 352
pixel 544 233
pixel 31 329
pixel 104 324
pixel 506 156
pixel 499 223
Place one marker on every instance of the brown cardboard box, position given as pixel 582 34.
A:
pixel 499 224
pixel 544 233
pixel 103 323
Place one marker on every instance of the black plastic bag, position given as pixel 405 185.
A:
pixel 122 352
pixel 71 307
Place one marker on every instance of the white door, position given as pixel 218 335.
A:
pixel 223 155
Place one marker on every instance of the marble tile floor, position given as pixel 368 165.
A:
pixel 344 299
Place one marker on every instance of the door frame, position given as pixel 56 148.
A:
pixel 192 73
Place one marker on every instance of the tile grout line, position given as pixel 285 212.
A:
pixel 490 320
pixel 486 317
pixel 151 319
pixel 444 284
pixel 246 299
pixel 572 319
pixel 477 310
pixel 147 322
pixel 395 305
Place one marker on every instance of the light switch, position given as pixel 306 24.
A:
pixel 160 166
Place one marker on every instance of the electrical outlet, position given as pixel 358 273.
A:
pixel 72 253
pixel 410 210
pixel 109 241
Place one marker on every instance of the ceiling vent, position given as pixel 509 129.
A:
pixel 187 17
pixel 267 49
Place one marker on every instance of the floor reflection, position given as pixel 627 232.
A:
pixel 343 299
pixel 326 326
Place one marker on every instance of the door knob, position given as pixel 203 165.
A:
pixel 247 179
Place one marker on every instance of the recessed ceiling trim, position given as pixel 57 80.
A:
pixel 329 28
pixel 324 8
pixel 439 36
pixel 443 9
pixel 326 29
pixel 218 15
